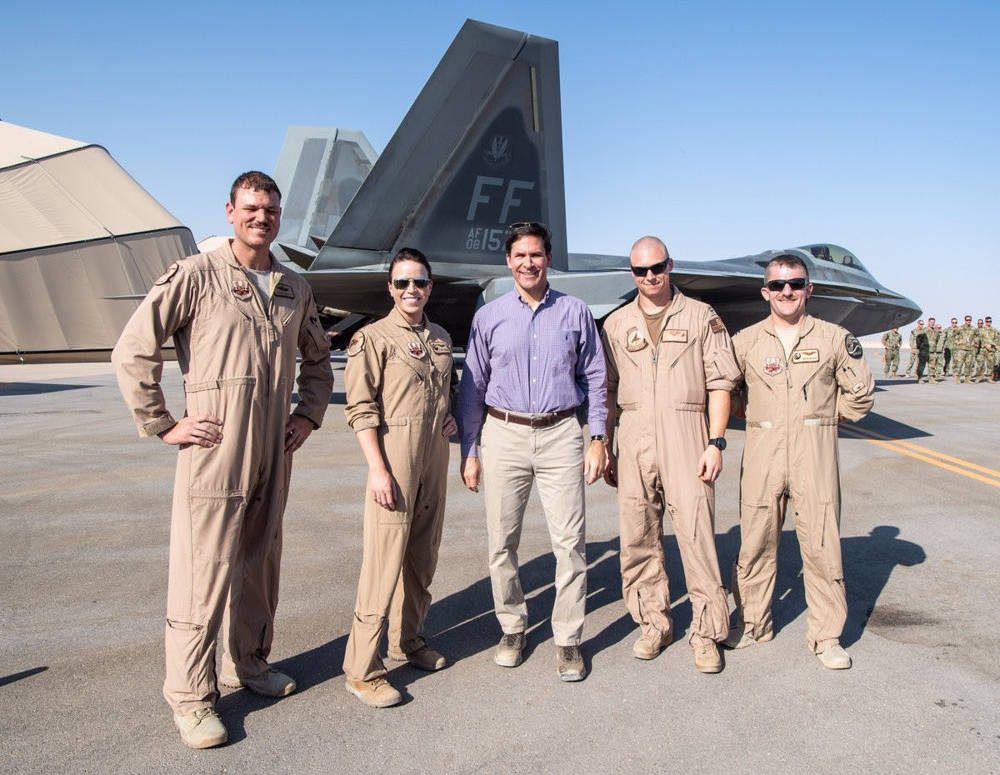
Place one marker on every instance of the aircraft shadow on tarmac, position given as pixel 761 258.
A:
pixel 868 564
pixel 36 388
pixel 9 679
pixel 888 427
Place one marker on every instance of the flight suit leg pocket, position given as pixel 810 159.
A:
pixel 826 546
pixel 216 523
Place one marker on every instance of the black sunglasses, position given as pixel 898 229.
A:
pixel 402 283
pixel 796 284
pixel 660 268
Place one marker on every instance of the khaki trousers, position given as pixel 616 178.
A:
pixel 400 550
pixel 224 549
pixel 513 456
pixel 653 478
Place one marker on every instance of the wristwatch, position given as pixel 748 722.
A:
pixel 718 442
pixel 599 437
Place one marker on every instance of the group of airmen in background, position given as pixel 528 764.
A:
pixel 963 351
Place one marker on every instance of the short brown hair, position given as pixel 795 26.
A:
pixel 255 181
pixel 410 254
pixel 787 259
pixel 528 229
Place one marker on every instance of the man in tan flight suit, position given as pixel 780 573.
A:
pixel 667 357
pixel 802 377
pixel 399 381
pixel 237 317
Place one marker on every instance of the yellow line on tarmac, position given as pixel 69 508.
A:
pixel 938 459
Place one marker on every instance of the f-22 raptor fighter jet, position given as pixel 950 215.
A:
pixel 480 148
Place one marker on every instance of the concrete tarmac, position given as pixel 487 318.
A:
pixel 84 517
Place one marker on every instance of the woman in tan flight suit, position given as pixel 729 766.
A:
pixel 399 380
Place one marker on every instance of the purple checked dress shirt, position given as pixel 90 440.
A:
pixel 531 362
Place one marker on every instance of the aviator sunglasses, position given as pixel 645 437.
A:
pixel 402 283
pixel 796 284
pixel 660 268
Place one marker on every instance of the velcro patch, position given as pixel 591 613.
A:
pixel 853 346
pixel 674 335
pixel 284 291
pixel 716 325
pixel 634 340
pixel 858 388
pixel 357 343
pixel 167 276
pixel 440 346
pixel 806 356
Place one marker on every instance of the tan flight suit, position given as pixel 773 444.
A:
pixel 661 389
pixel 400 383
pixel 239 364
pixel 792 410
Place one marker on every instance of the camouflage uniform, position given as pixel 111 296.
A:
pixel 911 366
pixel 935 341
pixel 966 344
pixel 949 348
pixel 891 340
pixel 982 355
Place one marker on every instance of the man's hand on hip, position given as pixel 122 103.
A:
pixel 200 429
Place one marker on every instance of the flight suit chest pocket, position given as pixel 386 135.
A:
pixel 283 303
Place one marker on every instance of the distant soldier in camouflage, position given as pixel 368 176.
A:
pixel 991 341
pixel 966 344
pixel 939 351
pixel 911 367
pixel 949 344
pixel 934 337
pixel 891 341
pixel 982 355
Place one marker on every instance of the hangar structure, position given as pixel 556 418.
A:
pixel 81 243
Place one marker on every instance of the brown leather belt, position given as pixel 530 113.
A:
pixel 532 422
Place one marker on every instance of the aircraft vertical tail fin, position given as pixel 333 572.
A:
pixel 481 147
pixel 319 171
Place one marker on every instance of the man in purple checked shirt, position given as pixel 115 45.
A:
pixel 534 357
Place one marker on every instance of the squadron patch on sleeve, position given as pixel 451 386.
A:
pixel 853 346
pixel 167 276
pixel 357 343
pixel 716 325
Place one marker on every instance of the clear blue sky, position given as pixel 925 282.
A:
pixel 727 128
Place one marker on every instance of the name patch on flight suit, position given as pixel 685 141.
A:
pixel 772 365
pixel 167 276
pixel 634 341
pixel 439 346
pixel 806 356
pixel 416 349
pixel 357 343
pixel 716 325
pixel 284 291
pixel 241 290
pixel 674 335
